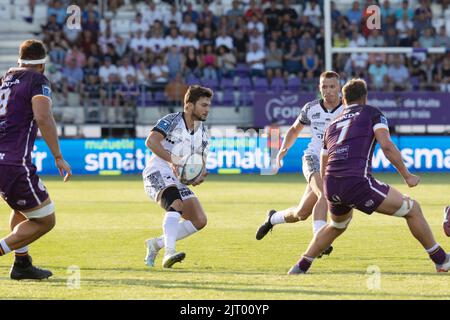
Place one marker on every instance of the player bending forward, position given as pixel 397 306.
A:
pixel 25 105
pixel 318 114
pixel 347 152
pixel 174 136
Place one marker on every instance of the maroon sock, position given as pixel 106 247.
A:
pixel 304 264
pixel 438 256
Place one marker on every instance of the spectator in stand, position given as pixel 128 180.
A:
pixel 90 8
pixel 293 60
pixel 192 63
pixel 378 74
pixel 106 38
pixel 255 23
pixel 77 55
pixel 108 92
pixel 442 39
pixel 235 12
pixel 206 39
pixel 403 24
pixel 174 39
pixel 157 43
pixel 224 40
pixel 209 63
pixel 56 8
pixel 150 14
pixel 306 42
pixel 421 20
pixel 357 40
pixel 354 15
pixel 142 74
pixel 188 26
pixel 175 91
pixel 274 59
pixel 386 10
pixel 138 42
pixel 313 11
pixel 443 75
pixel 114 5
pixel 139 24
pixel 191 12
pixel 54 75
pixel 72 76
pixel 240 40
pixel 426 40
pixel 391 38
pixel 287 9
pixel 271 16
pixel 112 54
pixel 121 46
pixel 173 15
pixel 398 75
pixel 86 41
pixel 357 64
pixel 255 60
pixel 174 60
pixel 226 62
pixel 253 10
pixel 192 41
pixel 341 40
pixel 375 39
pixel 427 73
pixel 106 70
pixel 90 91
pixel 310 63
pixel 126 69
pixel 409 40
pixel 159 74
pixel 335 13
pixel 256 37
pixel 91 24
pixel 405 9
pixel 91 68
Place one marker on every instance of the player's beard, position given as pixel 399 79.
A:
pixel 198 118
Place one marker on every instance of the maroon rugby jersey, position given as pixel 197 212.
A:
pixel 18 128
pixel 350 141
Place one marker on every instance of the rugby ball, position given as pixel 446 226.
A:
pixel 446 223
pixel 191 168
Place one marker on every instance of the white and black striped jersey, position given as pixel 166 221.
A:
pixel 178 139
pixel 319 118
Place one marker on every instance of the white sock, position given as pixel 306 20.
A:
pixel 170 226
pixel 4 247
pixel 433 248
pixel 278 217
pixel 22 250
pixel 317 225
pixel 185 229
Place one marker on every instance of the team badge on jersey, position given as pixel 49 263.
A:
pixel 163 125
pixel 383 120
pixel 46 91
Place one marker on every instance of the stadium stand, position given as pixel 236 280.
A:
pixel 128 52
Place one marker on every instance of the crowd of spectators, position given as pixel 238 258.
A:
pixel 277 41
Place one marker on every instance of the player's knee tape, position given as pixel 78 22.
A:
pixel 340 225
pixel 406 207
pixel 169 196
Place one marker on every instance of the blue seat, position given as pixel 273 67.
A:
pixel 293 84
pixel 260 84
pixel 244 84
pixel 278 84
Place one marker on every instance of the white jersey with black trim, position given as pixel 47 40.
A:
pixel 178 139
pixel 319 118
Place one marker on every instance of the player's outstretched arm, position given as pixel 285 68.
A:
pixel 289 140
pixel 394 156
pixel 42 110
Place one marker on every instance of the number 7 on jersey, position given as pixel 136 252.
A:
pixel 344 125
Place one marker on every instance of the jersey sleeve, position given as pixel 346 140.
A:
pixel 164 125
pixel 303 116
pixel 379 120
pixel 40 86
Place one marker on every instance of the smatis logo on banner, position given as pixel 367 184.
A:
pixel 282 109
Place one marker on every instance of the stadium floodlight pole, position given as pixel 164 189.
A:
pixel 328 33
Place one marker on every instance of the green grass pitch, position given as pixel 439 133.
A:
pixel 102 223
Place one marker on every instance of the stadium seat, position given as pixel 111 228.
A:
pixel 210 83
pixel 293 84
pixel 244 84
pixel 278 84
pixel 191 80
pixel 121 26
pixel 21 11
pixel 260 84
pixel 227 84
pixel 160 98
pixel 242 70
